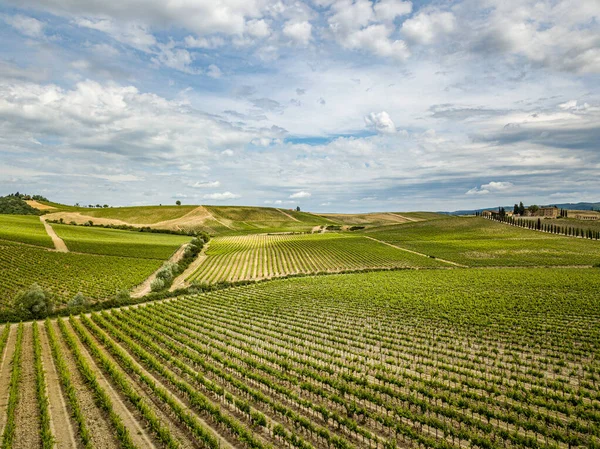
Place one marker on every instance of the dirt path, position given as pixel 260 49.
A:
pixel 27 415
pixel 60 422
pixel 223 443
pixel 59 244
pixel 180 281
pixel 417 253
pixel 403 217
pixel 138 434
pixel 5 372
pixel 144 288
pixel 288 215
pixel 102 433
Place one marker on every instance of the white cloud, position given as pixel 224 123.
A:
pixel 134 34
pixel 227 152
pixel 175 58
pixel 205 184
pixel 214 71
pixel 376 38
pixel 492 187
pixel 381 122
pixel 299 32
pixel 221 196
pixel 258 28
pixel 388 10
pixel 26 25
pixel 301 194
pixel 204 42
pixel 427 27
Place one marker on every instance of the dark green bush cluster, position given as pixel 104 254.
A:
pixel 16 205
pixel 124 227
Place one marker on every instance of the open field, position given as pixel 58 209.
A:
pixel 437 358
pixel 479 242
pixel 140 215
pixel 113 242
pixel 25 229
pixel 265 256
pixel 381 218
pixel 65 274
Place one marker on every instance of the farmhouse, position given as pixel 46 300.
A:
pixel 550 212
pixel 586 217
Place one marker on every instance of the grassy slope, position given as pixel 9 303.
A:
pixel 24 228
pixel 141 215
pixel 380 218
pixel 479 242
pixel 119 243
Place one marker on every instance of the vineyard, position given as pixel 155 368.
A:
pixel 112 242
pixel 66 274
pixel 480 242
pixel 25 229
pixel 429 358
pixel 264 256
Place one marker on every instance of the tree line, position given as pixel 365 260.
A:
pixel 552 228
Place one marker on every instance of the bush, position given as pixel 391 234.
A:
pixel 122 297
pixel 167 272
pixel 157 285
pixel 34 302
pixel 79 300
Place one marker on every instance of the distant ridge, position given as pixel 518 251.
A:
pixel 570 206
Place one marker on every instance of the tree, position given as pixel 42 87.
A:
pixel 178 202
pixel 521 208
pixel 34 302
pixel 297 208
pixel 534 208
pixel 516 209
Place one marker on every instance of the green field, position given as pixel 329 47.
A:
pixel 265 256
pixel 113 242
pixel 432 358
pixel 25 229
pixel 65 274
pixel 141 214
pixel 479 242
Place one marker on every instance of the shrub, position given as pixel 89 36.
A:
pixel 34 302
pixel 157 285
pixel 122 297
pixel 79 300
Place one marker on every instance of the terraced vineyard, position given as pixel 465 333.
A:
pixel 265 256
pixel 442 359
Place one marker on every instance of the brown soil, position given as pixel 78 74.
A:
pixel 186 441
pixel 101 431
pixel 27 414
pixel 39 206
pixel 5 372
pixel 138 434
pixel 59 244
pixel 60 422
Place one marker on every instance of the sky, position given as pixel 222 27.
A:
pixel 330 105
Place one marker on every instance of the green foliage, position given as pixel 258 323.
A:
pixel 8 435
pixel 157 285
pixel 65 274
pixel 46 435
pixel 79 300
pixel 119 243
pixel 16 205
pixel 25 229
pixel 34 302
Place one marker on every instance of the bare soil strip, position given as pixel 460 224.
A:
pixel 60 422
pixel 288 215
pixel 181 435
pixel 27 413
pixel 144 288
pixel 102 434
pixel 180 281
pixel 59 244
pixel 417 253
pixel 138 434
pixel 223 443
pixel 5 372
pixel 39 206
pixel 403 217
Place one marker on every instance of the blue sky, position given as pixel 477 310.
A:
pixel 332 105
